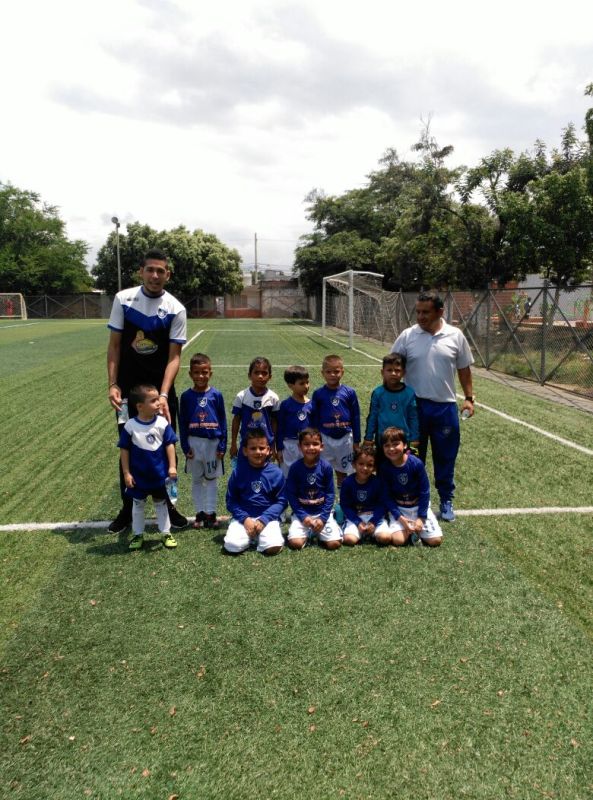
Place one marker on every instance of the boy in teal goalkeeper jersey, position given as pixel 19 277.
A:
pixel 393 404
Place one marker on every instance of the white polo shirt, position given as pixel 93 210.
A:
pixel 433 360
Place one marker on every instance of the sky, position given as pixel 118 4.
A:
pixel 224 116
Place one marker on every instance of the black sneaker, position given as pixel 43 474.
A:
pixel 177 519
pixel 121 522
pixel 211 522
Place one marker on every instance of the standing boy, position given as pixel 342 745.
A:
pixel 294 415
pixel 203 433
pixel 147 453
pixel 336 414
pixel 255 499
pixel 407 494
pixel 147 330
pixel 393 404
pixel 310 492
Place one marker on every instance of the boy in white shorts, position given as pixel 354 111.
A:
pixel 361 499
pixel 336 413
pixel 255 499
pixel 293 415
pixel 407 494
pixel 310 492
pixel 203 434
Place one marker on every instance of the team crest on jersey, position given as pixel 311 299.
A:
pixel 394 406
pixel 161 312
pixel 403 479
pixel 257 403
pixel 203 402
pixel 150 438
pixel 256 487
pixel 301 416
pixel 311 479
pixel 361 495
pixel 447 431
pixel 144 346
pixel 335 401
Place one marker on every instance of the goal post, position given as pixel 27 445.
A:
pixel 12 306
pixel 355 302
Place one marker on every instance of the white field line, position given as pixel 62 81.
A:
pixel 281 366
pixel 335 341
pixel 193 338
pixel 468 512
pixel 16 325
pixel 534 428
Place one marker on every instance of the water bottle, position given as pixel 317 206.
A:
pixel 123 414
pixel 171 486
pixel 465 414
pixel 416 540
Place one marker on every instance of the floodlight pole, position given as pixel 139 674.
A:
pixel 115 221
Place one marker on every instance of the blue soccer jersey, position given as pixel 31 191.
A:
pixel 359 498
pixel 310 490
pixel 406 486
pixel 336 412
pixel 146 442
pixel 256 411
pixel 256 492
pixel 392 409
pixel 147 325
pixel 292 418
pixel 202 414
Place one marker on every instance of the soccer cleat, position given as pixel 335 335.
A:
pixel 177 519
pixel 210 521
pixel 121 522
pixel 339 515
pixel 135 542
pixel 199 521
pixel 447 514
pixel 169 541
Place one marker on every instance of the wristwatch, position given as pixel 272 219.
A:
pixel 470 398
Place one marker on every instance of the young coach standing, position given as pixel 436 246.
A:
pixel 436 350
pixel 147 326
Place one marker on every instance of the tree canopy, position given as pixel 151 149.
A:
pixel 200 263
pixel 36 257
pixel 425 223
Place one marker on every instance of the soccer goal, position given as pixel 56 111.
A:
pixel 356 302
pixel 12 306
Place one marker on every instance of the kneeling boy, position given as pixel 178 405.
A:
pixel 255 499
pixel 310 492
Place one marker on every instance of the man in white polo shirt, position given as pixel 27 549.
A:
pixel 434 351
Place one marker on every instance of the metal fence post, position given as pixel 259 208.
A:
pixel 542 367
pixel 488 325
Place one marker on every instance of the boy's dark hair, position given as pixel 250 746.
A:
pixel 154 254
pixel 260 360
pixel 331 357
pixel 199 358
pixel 139 392
pixel 431 297
pixel 309 432
pixel 393 435
pixel 398 359
pixel 365 450
pixel 255 433
pixel 295 373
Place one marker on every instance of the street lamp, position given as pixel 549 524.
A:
pixel 115 221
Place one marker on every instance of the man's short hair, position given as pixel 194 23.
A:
pixel 154 254
pixel 431 297
pixel 199 358
pixel 393 434
pixel 138 393
pixel 397 359
pixel 295 373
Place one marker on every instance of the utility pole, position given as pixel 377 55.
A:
pixel 255 275
pixel 115 221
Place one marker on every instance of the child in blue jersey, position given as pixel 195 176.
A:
pixel 255 408
pixel 147 453
pixel 255 499
pixel 310 492
pixel 294 415
pixel 336 414
pixel 393 405
pixel 361 499
pixel 407 494
pixel 203 433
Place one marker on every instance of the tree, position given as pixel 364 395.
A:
pixel 36 257
pixel 319 257
pixel 199 261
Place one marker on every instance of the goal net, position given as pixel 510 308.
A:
pixel 12 306
pixel 355 302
